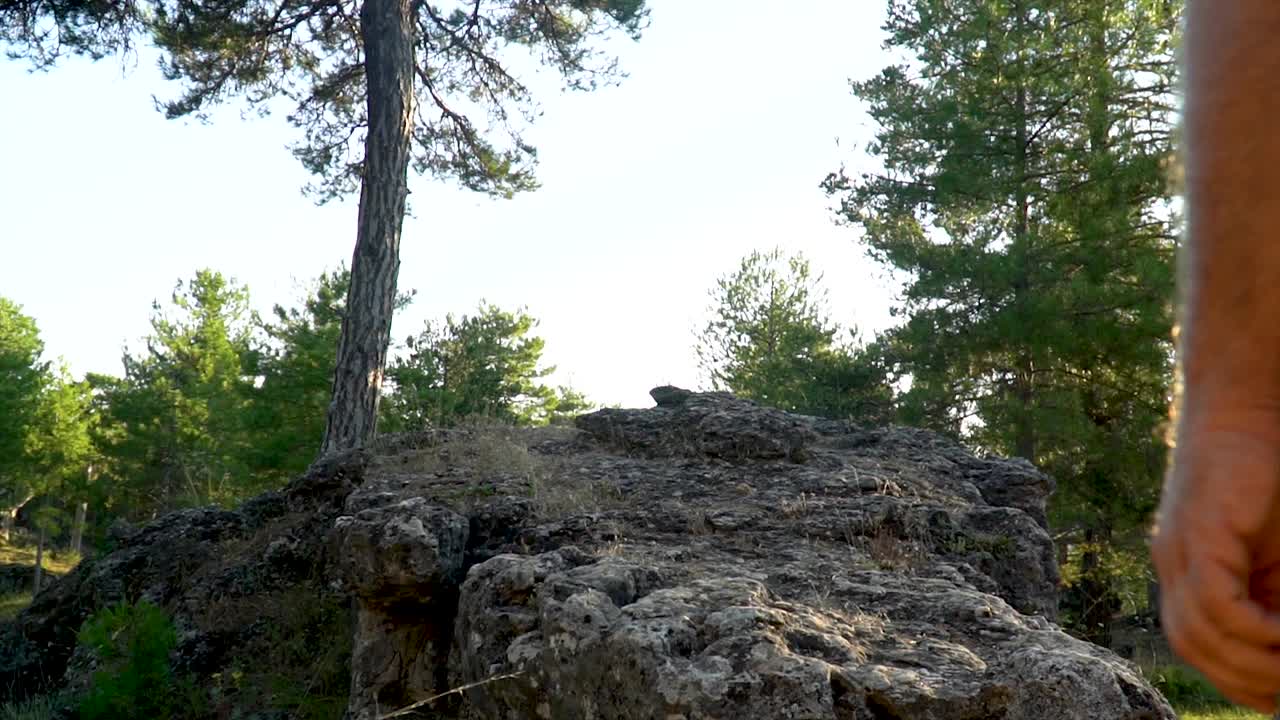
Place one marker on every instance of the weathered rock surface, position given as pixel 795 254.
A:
pixel 705 558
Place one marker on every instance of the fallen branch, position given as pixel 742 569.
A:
pixel 422 703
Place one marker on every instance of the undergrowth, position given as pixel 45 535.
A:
pixel 1193 696
pixel 11 604
pixel 300 661
pixel 44 707
pixel 132 644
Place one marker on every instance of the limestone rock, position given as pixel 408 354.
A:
pixel 583 641
pixel 704 558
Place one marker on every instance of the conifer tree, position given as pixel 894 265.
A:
pixel 1024 196
pixel 176 425
pixel 770 339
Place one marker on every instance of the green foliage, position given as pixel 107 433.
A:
pixel 13 603
pixel 132 644
pixel 23 377
pixel 566 404
pixel 1024 200
pixel 45 419
pixel 483 365
pixel 296 367
pixel 297 376
pixel 770 340
pixel 62 445
pixel 213 412
pixel 60 451
pixel 175 428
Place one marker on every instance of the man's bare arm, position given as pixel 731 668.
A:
pixel 1231 336
pixel 1217 542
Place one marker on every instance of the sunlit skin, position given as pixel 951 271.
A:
pixel 1217 540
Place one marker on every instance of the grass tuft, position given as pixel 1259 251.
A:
pixel 12 604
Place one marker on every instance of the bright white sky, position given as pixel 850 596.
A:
pixel 713 147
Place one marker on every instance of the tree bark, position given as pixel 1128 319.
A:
pixel 9 515
pixel 386 28
pixel 77 529
pixel 1025 440
pixel 39 561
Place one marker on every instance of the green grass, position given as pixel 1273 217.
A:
pixel 59 561
pixel 1192 696
pixel 11 605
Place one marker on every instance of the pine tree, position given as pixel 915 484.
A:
pixel 485 365
pixel 296 371
pixel 23 378
pixel 176 431
pixel 770 339
pixel 59 451
pixel 1023 195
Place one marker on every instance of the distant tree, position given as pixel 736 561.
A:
pixel 566 404
pixel 23 378
pixel 481 365
pixel 176 425
pixel 45 446
pixel 770 339
pixel 376 87
pixel 58 455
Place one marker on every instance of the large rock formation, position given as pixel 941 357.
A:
pixel 706 558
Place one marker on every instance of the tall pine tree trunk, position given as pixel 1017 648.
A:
pixel 386 28
pixel 1024 433
pixel 77 528
pixel 40 535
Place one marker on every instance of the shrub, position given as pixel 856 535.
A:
pixel 132 645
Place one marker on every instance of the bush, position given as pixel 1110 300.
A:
pixel 132 645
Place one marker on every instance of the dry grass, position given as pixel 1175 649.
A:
pixel 796 508
pixel 890 552
pixel 61 562
pixel 495 458
pixel 564 494
pixel 697 521
pixel 1221 714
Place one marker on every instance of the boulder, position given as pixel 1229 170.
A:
pixel 703 558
